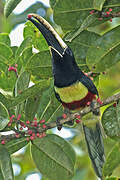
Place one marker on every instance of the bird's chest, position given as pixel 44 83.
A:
pixel 72 93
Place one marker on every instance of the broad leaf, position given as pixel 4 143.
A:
pixel 16 144
pixel 4 116
pixel 58 154
pixel 105 52
pixel 40 65
pixel 105 27
pixel 5 51
pixel 5 164
pixel 112 161
pixel 98 4
pixel 10 6
pixel 4 38
pixel 111 121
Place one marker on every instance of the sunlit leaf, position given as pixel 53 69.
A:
pixel 111 121
pixel 10 6
pixel 4 38
pixel 58 154
pixel 98 4
pixel 4 116
pixel 5 164
pixel 112 161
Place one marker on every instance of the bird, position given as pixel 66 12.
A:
pixel 73 88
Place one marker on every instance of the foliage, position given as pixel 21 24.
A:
pixel 94 39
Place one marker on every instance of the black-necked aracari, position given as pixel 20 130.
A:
pixel 72 87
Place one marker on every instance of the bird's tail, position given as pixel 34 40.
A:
pixel 94 140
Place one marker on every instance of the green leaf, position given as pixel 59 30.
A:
pixel 58 154
pixel 4 38
pixel 105 52
pixel 10 6
pixel 4 116
pixel 112 178
pixel 111 121
pixel 5 163
pixel 26 43
pixel 40 65
pixel 5 51
pixel 98 4
pixel 29 92
pixel 49 107
pixel 105 27
pixel 87 22
pixel 73 13
pixel 38 40
pixel 112 161
pixel 16 144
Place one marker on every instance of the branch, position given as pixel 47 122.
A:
pixel 51 125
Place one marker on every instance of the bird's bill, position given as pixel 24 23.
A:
pixel 53 39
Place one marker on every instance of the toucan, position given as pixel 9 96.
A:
pixel 72 88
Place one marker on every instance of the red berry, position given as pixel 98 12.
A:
pixel 27 122
pixel 110 20
pixel 22 123
pixel 21 128
pixel 35 124
pixel 37 134
pixel 9 124
pixel 100 19
pixel 40 136
pixel 29 132
pixel 17 135
pixel 110 9
pixel 27 138
pixel 33 134
pixel 32 138
pixel 12 117
pixel 44 126
pixel 3 142
pixel 35 118
pixel 19 116
pixel 43 134
pixel 59 128
pixel 107 12
pixel 91 12
pixel 78 121
pixel 99 101
pixel 29 16
pixel 64 116
pixel 88 103
pixel 42 121
pixel 114 105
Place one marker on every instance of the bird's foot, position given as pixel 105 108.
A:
pixel 59 125
pixel 95 111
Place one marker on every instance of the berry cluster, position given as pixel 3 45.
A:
pixel 106 14
pixel 28 129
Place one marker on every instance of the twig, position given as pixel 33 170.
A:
pixel 51 125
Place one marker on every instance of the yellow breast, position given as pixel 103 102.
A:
pixel 72 93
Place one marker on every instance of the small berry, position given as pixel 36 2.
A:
pixel 40 136
pixel 42 121
pixel 22 123
pixel 35 118
pixel 114 105
pixel 21 128
pixel 17 135
pixel 24 126
pixel 30 132
pixel 59 128
pixel 19 116
pixel 43 134
pixel 78 116
pixel 32 138
pixel 12 117
pixel 64 116
pixel 88 103
pixel 99 101
pixel 27 122
pixel 44 126
pixel 16 65
pixel 107 12
pixel 27 138
pixel 91 12
pixel 110 9
pixel 9 124
pixel 37 134
pixel 29 16
pixel 35 124
pixel 33 134
pixel 110 20
pixel 78 121
pixel 3 142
